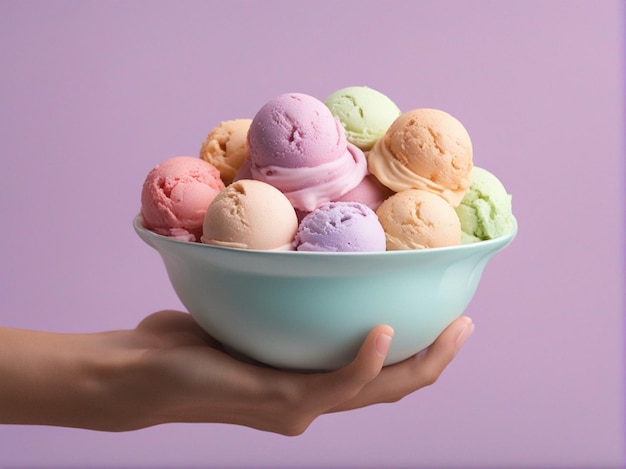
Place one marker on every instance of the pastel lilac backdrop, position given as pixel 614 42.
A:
pixel 93 94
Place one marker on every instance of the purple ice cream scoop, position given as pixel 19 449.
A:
pixel 340 227
pixel 295 130
pixel 299 147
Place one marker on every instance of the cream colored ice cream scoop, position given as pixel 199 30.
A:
pixel 424 149
pixel 250 214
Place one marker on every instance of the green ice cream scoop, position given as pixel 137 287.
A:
pixel 485 211
pixel 365 114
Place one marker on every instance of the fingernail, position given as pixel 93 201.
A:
pixel 383 341
pixel 464 333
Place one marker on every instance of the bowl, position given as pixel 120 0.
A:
pixel 311 310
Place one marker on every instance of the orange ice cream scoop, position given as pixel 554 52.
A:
pixel 418 219
pixel 424 149
pixel 226 147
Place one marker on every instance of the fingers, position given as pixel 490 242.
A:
pixel 370 359
pixel 286 402
pixel 165 320
pixel 432 361
pixel 175 328
pixel 335 387
pixel 304 397
pixel 397 381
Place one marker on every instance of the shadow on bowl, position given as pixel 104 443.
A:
pixel 311 311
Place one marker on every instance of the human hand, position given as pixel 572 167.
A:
pixel 191 379
pixel 168 370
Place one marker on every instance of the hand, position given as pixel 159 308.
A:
pixel 168 369
pixel 201 383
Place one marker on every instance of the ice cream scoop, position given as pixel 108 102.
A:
pixel 226 148
pixel 369 192
pixel 424 149
pixel 364 112
pixel 250 214
pixel 418 219
pixel 176 194
pixel 299 147
pixel 485 211
pixel 340 227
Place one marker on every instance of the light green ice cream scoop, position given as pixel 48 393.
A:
pixel 485 211
pixel 365 114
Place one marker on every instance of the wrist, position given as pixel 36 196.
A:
pixel 117 383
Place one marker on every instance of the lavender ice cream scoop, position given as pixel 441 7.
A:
pixel 299 147
pixel 340 227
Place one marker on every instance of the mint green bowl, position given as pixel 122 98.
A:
pixel 311 311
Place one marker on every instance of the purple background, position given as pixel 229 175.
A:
pixel 93 94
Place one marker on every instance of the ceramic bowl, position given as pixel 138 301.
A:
pixel 311 311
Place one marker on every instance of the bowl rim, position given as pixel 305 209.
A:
pixel 147 234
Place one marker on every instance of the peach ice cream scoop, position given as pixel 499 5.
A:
pixel 418 219
pixel 424 149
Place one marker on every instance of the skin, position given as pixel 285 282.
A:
pixel 168 370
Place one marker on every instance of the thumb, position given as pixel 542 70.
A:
pixel 371 357
pixel 345 383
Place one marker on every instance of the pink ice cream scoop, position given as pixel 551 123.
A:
pixel 299 147
pixel 340 227
pixel 176 194
pixel 370 192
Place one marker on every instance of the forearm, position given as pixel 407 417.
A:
pixel 74 380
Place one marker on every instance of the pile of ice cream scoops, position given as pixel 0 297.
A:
pixel 351 173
